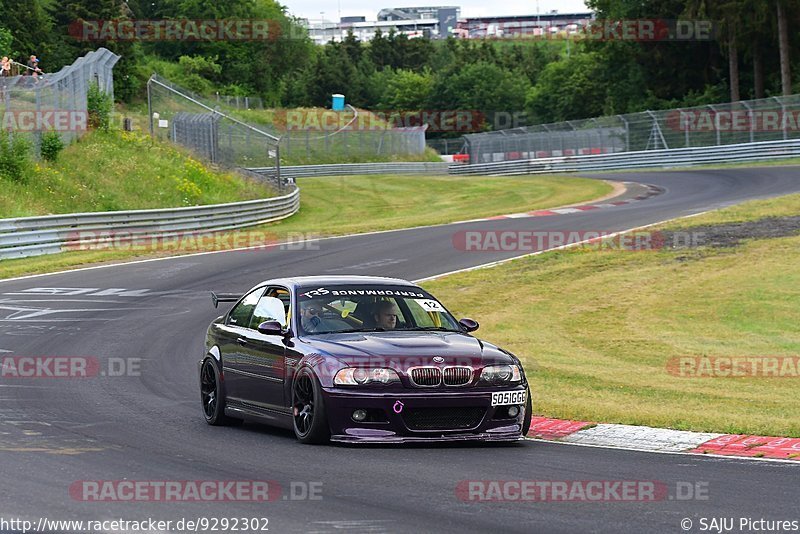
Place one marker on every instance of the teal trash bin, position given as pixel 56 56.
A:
pixel 338 102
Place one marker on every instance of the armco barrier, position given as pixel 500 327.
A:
pixel 680 157
pixel 340 169
pixel 33 236
pixel 49 234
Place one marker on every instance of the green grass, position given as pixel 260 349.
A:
pixel 354 204
pixel 596 328
pixel 757 209
pixel 118 171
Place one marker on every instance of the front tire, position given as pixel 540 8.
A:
pixel 310 421
pixel 212 395
pixel 526 418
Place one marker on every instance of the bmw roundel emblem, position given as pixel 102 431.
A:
pixel 438 359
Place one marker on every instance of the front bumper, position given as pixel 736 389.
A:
pixel 401 422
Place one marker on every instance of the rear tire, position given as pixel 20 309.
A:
pixel 309 419
pixel 212 395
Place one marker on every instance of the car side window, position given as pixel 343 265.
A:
pixel 240 314
pixel 280 293
pixel 268 309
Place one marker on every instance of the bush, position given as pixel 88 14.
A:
pixel 50 145
pixel 99 105
pixel 15 157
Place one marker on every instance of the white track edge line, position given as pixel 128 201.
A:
pixel 561 247
pixel 681 453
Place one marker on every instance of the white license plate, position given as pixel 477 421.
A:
pixel 503 398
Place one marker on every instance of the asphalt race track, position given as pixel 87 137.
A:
pixel 57 431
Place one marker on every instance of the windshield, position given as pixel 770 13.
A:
pixel 331 309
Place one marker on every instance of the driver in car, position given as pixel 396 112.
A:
pixel 386 315
pixel 309 315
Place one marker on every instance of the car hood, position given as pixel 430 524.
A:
pixel 401 350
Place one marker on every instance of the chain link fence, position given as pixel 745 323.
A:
pixel 189 120
pixel 56 101
pixel 447 146
pixel 240 102
pixel 768 119
pixel 295 137
pixel 353 142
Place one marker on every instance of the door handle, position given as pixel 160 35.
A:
pixel 241 341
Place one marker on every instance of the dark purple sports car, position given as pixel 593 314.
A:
pixel 359 359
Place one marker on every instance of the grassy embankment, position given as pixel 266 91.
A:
pixel 597 329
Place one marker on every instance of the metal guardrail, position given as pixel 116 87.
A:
pixel 33 236
pixel 50 234
pixel 680 157
pixel 340 169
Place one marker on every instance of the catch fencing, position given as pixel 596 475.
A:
pixel 187 119
pixel 747 121
pixel 294 137
pixel 240 102
pixel 56 101
pixel 360 136
pixel 679 157
pixel 447 146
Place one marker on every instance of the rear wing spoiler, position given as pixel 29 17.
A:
pixel 216 298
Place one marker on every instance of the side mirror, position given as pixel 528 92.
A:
pixel 271 328
pixel 470 325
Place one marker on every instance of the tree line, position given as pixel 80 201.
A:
pixel 753 53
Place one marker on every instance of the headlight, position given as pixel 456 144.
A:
pixel 358 376
pixel 501 374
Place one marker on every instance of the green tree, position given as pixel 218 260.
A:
pixel 407 90
pixel 481 86
pixel 568 89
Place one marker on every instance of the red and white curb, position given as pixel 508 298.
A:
pixel 664 440
pixel 649 191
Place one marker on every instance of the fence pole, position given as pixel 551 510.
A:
pixel 627 133
pixel 783 116
pixel 749 118
pixel 150 108
pixel 714 115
